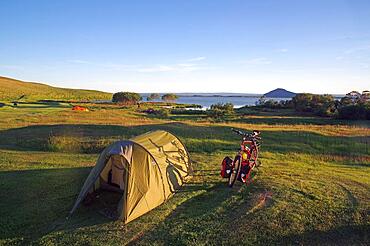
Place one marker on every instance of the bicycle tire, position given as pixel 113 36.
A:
pixel 257 163
pixel 236 171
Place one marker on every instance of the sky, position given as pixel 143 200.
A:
pixel 316 46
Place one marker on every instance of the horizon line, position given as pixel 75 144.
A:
pixel 199 92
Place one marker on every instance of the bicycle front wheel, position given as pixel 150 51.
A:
pixel 254 158
pixel 235 172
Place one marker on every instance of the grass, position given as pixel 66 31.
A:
pixel 12 89
pixel 313 187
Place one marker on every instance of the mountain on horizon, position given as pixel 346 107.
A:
pixel 279 93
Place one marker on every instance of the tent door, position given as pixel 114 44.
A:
pixel 113 184
pixel 117 175
pixel 113 175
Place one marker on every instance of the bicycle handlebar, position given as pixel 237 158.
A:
pixel 249 135
pixel 238 132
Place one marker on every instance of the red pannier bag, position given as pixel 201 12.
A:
pixel 226 167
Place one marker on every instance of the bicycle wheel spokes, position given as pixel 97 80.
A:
pixel 235 172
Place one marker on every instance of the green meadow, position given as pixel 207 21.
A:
pixel 13 89
pixel 313 186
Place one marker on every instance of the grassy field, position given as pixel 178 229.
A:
pixel 313 186
pixel 12 89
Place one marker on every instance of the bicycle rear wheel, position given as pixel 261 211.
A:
pixel 235 172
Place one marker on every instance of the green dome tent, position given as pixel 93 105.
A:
pixel 147 169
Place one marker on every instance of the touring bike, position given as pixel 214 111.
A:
pixel 245 160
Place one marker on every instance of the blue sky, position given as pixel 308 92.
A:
pixel 188 46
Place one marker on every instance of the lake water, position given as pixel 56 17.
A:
pixel 206 101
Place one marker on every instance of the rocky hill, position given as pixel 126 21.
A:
pixel 280 93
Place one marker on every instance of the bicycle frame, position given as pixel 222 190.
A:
pixel 248 155
pixel 245 159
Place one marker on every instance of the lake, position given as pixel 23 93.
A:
pixel 207 100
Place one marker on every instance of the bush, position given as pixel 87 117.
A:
pixel 220 110
pixel 169 97
pixel 128 98
pixel 163 113
pixel 273 104
pixel 359 111
pixel 153 96
pixel 322 105
pixel 187 112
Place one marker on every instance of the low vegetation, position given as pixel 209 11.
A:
pixel 221 110
pixel 127 98
pixel 353 106
pixel 153 96
pixel 321 105
pixel 359 111
pixel 170 97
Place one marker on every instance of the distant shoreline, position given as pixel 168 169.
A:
pixel 219 95
pixel 336 96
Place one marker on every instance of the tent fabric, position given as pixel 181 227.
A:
pixel 115 168
pixel 148 168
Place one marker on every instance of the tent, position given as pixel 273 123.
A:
pixel 147 169
pixel 80 108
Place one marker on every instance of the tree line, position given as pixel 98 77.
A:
pixel 130 98
pixel 353 105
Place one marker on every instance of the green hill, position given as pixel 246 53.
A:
pixel 12 89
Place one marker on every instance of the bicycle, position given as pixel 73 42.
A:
pixel 245 160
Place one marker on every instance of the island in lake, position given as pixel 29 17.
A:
pixel 279 93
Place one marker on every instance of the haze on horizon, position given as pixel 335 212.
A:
pixel 188 46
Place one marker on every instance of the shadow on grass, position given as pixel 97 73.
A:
pixel 196 215
pixel 273 120
pixel 202 139
pixel 43 105
pixel 206 218
pixel 342 235
pixel 35 201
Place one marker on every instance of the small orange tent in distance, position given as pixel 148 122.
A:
pixel 79 108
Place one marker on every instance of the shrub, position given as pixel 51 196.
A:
pixel 163 113
pixel 169 97
pixel 322 105
pixel 221 110
pixel 153 96
pixel 187 112
pixel 261 101
pixel 346 101
pixel 273 104
pixel 126 98
pixel 359 111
